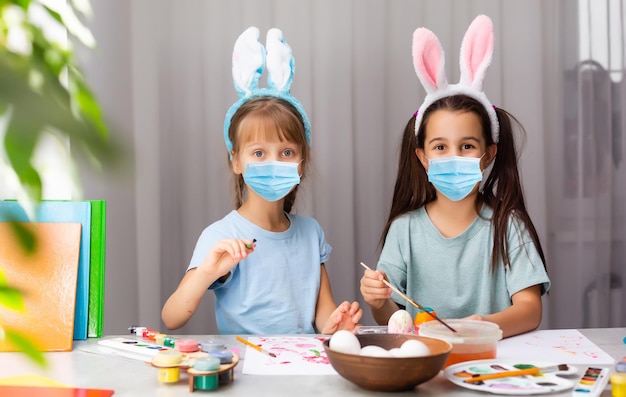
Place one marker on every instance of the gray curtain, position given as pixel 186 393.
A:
pixel 586 168
pixel 162 72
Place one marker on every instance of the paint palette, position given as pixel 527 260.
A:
pixel 543 383
pixel 133 348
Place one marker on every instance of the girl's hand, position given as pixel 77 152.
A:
pixel 225 254
pixel 346 316
pixel 374 291
pixel 474 317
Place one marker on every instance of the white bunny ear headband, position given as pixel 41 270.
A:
pixel 476 52
pixel 249 60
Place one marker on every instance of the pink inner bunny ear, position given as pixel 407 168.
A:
pixel 476 52
pixel 428 60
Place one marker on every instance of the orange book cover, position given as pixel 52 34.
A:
pixel 46 391
pixel 47 278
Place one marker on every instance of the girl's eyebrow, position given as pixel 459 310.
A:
pixel 463 139
pixel 436 139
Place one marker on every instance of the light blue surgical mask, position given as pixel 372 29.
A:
pixel 454 176
pixel 271 180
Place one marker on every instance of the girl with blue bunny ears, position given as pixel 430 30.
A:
pixel 265 265
pixel 466 251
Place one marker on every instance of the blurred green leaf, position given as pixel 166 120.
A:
pixel 25 236
pixel 11 298
pixel 43 90
pixel 24 345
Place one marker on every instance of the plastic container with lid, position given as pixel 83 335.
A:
pixel 474 339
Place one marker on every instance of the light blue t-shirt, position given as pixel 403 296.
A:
pixel 453 275
pixel 274 290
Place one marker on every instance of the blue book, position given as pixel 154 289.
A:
pixel 63 211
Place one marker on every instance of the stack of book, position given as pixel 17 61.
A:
pixel 62 280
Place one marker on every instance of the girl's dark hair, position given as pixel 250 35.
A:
pixel 502 190
pixel 261 117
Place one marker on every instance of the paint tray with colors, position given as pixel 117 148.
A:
pixel 549 379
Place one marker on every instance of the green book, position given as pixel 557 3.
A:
pixel 95 313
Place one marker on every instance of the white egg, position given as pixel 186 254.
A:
pixel 400 322
pixel 413 348
pixel 395 352
pixel 375 351
pixel 345 342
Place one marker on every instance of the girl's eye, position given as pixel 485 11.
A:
pixel 288 153
pixel 468 146
pixel 438 147
pixel 257 153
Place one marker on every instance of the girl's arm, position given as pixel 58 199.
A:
pixel 329 317
pixel 222 257
pixel 523 316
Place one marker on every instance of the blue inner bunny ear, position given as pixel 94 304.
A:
pixel 248 62
pixel 280 62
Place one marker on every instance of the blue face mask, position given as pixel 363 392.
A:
pixel 455 176
pixel 271 180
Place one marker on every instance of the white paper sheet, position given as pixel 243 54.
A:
pixel 295 355
pixel 561 346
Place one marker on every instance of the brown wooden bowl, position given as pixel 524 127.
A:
pixel 390 373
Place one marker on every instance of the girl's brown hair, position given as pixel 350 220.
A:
pixel 259 118
pixel 502 190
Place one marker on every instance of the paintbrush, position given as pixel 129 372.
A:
pixel 524 370
pixel 503 374
pixel 411 301
pixel 255 347
pixel 547 369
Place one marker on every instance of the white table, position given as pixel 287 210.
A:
pixel 132 378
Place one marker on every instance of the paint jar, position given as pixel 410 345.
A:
pixel 224 355
pixel 149 334
pixel 186 345
pixel 211 344
pixel 168 361
pixel 474 339
pixel 205 381
pixel 159 339
pixel 618 384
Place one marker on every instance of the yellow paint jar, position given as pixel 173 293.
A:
pixel 618 384
pixel 169 375
pixel 168 361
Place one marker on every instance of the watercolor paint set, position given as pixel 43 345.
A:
pixel 512 378
pixel 133 348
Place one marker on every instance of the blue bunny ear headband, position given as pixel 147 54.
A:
pixel 250 58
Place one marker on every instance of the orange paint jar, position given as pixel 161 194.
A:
pixel 474 339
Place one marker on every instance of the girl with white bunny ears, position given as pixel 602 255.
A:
pixel 265 265
pixel 465 251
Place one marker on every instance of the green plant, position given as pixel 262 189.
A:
pixel 42 91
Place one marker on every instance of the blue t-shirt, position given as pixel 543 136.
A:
pixel 274 290
pixel 453 275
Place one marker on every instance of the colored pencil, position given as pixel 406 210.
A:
pixel 411 301
pixel 503 374
pixel 255 347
